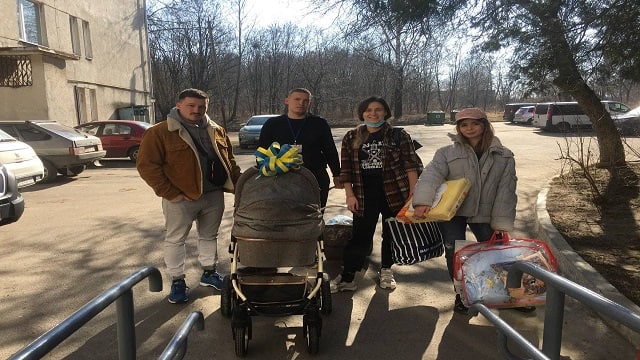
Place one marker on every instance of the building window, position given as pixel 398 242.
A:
pixel 15 71
pixel 81 104
pixel 31 22
pixel 93 100
pixel 88 50
pixel 75 35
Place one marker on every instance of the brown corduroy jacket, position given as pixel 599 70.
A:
pixel 168 159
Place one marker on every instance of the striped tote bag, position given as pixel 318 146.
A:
pixel 414 242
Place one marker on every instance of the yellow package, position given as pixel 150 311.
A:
pixel 448 199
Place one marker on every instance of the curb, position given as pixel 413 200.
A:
pixel 573 267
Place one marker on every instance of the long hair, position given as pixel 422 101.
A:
pixel 364 104
pixel 487 136
pixel 361 131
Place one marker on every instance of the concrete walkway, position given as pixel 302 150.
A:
pixel 81 236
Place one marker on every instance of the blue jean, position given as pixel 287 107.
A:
pixel 179 217
pixel 455 229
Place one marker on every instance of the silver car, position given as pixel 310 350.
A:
pixel 628 123
pixel 249 133
pixel 21 160
pixel 62 149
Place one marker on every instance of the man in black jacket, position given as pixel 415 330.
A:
pixel 310 134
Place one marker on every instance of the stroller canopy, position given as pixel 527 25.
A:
pixel 282 207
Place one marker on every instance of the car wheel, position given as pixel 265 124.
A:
pixel 133 153
pixel 50 172
pixel 563 127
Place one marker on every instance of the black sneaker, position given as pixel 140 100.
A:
pixel 459 306
pixel 179 292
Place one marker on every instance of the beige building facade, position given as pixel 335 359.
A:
pixel 74 61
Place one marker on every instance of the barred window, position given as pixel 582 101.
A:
pixel 15 71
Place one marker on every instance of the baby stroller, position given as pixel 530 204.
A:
pixel 277 224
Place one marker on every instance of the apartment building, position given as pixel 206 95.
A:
pixel 74 61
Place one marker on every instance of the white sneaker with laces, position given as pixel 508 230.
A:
pixel 386 279
pixel 337 285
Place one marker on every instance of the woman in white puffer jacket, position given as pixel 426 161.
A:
pixel 477 155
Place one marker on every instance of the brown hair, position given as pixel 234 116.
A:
pixel 364 104
pixel 361 131
pixel 193 93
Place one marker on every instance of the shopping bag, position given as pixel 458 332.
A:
pixel 480 271
pixel 448 199
pixel 414 242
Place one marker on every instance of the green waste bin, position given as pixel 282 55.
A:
pixel 435 118
pixel 453 116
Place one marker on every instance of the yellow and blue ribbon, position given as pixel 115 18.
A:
pixel 277 159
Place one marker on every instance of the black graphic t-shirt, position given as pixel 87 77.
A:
pixel 371 155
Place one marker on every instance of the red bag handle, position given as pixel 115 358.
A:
pixel 499 237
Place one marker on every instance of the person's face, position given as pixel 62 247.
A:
pixel 298 103
pixel 192 109
pixel 374 112
pixel 472 129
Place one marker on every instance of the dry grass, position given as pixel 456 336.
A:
pixel 607 238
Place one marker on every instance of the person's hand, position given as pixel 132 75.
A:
pixel 179 198
pixel 337 183
pixel 421 211
pixel 352 203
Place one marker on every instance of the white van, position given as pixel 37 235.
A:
pixel 511 108
pixel 524 115
pixel 567 116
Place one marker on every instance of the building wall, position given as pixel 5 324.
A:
pixel 116 75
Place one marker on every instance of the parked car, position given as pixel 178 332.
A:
pixel 11 201
pixel 510 110
pixel 120 138
pixel 568 115
pixel 62 149
pixel 628 124
pixel 250 131
pixel 524 115
pixel 21 159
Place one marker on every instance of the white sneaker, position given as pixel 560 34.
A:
pixel 386 279
pixel 337 285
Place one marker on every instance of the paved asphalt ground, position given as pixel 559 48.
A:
pixel 79 237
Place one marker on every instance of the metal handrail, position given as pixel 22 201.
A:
pixel 557 288
pixel 506 331
pixel 177 347
pixel 122 295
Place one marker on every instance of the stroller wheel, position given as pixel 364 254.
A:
pixel 326 304
pixel 241 338
pixel 313 338
pixel 226 296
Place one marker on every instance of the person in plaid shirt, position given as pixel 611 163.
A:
pixel 378 171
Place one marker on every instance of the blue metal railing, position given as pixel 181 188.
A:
pixel 122 295
pixel 557 288
pixel 177 347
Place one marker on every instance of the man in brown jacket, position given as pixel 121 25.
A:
pixel 188 161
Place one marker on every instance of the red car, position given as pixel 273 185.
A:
pixel 120 138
